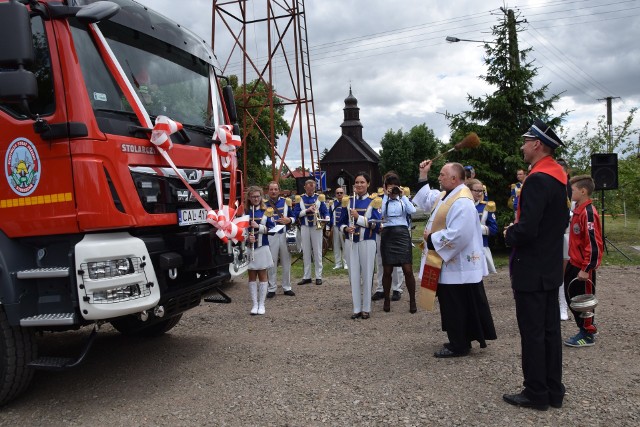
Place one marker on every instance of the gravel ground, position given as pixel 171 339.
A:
pixel 307 363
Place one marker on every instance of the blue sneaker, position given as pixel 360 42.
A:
pixel 581 339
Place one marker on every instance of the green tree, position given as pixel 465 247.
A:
pixel 402 152
pixel 595 139
pixel 500 118
pixel 252 101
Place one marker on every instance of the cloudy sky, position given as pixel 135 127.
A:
pixel 394 56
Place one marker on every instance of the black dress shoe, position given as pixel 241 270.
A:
pixel 355 316
pixel 377 296
pixel 289 293
pixel 318 281
pixel 446 352
pixel 523 401
pixel 271 294
pixel 304 282
pixel 396 296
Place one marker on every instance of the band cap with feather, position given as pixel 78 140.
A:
pixel 540 130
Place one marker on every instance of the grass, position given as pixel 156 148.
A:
pixel 621 234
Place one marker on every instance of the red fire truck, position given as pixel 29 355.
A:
pixel 95 224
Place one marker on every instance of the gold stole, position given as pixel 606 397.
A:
pixel 433 263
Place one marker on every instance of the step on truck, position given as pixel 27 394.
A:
pixel 96 224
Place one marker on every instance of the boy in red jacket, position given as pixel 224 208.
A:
pixel 585 255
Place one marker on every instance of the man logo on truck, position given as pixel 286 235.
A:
pixel 22 166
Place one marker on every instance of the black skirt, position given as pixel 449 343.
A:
pixel 465 314
pixel 395 246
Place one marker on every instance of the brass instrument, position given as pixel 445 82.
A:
pixel 319 221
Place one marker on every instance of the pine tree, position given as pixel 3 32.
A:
pixel 502 117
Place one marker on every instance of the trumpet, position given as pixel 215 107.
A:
pixel 318 220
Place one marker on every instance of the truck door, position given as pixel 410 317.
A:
pixel 36 193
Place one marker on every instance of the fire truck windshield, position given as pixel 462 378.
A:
pixel 168 81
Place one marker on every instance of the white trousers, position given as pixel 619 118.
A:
pixel 311 241
pixel 338 248
pixel 361 263
pixel 279 250
pixel 397 276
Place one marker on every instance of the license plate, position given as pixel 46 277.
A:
pixel 192 216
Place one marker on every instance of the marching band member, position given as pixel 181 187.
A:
pixel 258 242
pixel 312 212
pixel 360 220
pixel 282 214
pixel 516 188
pixel 335 210
pixel 487 216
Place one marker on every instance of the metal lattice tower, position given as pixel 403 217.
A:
pixel 278 55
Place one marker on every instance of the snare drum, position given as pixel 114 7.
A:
pixel 294 242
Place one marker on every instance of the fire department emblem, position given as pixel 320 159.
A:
pixel 576 228
pixel 22 166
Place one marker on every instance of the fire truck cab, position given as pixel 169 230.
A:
pixel 95 225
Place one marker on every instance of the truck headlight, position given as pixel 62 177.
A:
pixel 110 268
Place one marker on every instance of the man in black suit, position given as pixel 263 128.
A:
pixel 536 239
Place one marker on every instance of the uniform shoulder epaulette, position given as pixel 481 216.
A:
pixel 298 198
pixel 322 197
pixel 268 212
pixel 491 206
pixel 376 203
pixel 513 186
pixel 380 191
pixel 345 201
pixel 406 191
pixel 482 202
pixel 288 201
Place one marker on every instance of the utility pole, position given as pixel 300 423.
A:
pixel 609 122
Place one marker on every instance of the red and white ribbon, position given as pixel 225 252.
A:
pixel 228 145
pixel 229 226
pixel 164 127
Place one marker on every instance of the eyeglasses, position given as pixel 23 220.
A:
pixel 339 194
pixel 478 191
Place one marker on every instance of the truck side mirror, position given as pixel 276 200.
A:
pixel 227 93
pixel 17 85
pixel 98 11
pixel 15 25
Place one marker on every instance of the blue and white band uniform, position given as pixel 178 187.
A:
pixel 361 249
pixel 339 254
pixel 261 253
pixel 487 217
pixel 308 219
pixel 278 246
pixel 310 234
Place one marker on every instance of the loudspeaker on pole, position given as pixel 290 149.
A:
pixel 604 170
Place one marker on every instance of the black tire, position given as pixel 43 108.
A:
pixel 17 349
pixel 132 326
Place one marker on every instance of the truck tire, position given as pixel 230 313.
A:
pixel 132 326
pixel 17 348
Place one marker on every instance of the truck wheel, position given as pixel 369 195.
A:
pixel 17 348
pixel 132 326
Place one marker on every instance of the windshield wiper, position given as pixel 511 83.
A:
pixel 119 112
pixel 199 128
